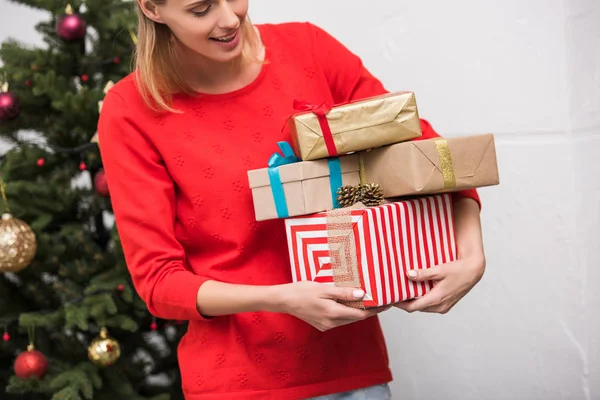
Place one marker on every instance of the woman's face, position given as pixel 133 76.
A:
pixel 210 28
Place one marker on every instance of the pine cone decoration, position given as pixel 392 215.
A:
pixel 371 195
pixel 348 195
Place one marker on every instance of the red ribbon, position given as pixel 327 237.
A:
pixel 320 111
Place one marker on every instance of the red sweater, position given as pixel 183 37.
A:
pixel 184 212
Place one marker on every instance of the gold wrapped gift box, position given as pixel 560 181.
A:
pixel 360 125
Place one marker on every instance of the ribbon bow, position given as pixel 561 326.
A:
pixel 320 111
pixel 286 157
pixel 276 160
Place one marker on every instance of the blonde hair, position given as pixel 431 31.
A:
pixel 158 76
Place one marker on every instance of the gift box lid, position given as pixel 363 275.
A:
pixel 301 171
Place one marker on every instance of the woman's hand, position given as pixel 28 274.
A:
pixel 315 303
pixel 451 282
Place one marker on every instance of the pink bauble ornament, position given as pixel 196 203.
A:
pixel 9 105
pixel 71 27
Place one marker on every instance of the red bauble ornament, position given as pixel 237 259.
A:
pixel 100 183
pixel 31 363
pixel 40 162
pixel 6 337
pixel 71 27
pixel 120 288
pixel 9 105
pixel 82 166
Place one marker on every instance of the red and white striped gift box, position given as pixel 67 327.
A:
pixel 387 241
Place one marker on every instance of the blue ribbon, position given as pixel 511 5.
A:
pixel 335 179
pixel 287 156
pixel 276 160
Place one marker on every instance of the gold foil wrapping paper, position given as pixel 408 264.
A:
pixel 357 126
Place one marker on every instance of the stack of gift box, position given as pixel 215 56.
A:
pixel 363 202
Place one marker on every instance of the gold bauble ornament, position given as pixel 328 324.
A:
pixel 18 244
pixel 104 350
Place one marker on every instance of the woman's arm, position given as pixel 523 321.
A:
pixel 452 281
pixel 313 302
pixel 143 199
pixel 469 238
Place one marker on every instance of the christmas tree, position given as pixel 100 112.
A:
pixel 73 326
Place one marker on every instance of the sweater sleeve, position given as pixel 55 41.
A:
pixel 143 200
pixel 350 80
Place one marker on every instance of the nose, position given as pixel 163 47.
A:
pixel 228 19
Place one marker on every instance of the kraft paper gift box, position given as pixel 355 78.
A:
pixel 373 248
pixel 290 187
pixel 433 166
pixel 322 131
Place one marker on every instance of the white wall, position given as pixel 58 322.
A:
pixel 528 71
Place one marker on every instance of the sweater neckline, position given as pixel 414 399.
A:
pixel 250 86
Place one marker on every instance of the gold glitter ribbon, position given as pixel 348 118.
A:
pixel 446 166
pixel 361 169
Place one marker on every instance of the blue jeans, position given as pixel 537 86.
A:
pixel 378 392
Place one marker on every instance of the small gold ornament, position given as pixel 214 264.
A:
pixel 104 350
pixel 18 244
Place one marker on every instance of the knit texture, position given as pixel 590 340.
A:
pixel 184 212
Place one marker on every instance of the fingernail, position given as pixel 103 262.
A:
pixel 412 273
pixel 358 294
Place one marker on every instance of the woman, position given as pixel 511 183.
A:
pixel 206 104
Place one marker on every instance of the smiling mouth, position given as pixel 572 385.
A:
pixel 226 39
